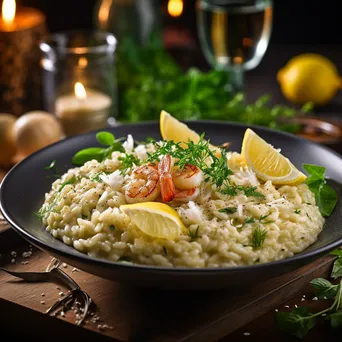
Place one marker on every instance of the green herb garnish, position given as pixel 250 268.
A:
pixel 111 227
pixel 258 237
pixel 249 220
pixel 52 164
pixel 72 180
pixel 325 195
pixel 263 217
pixel 128 161
pixel 193 234
pixel 165 250
pixel 215 168
pixel 300 320
pixel 297 211
pixel 99 153
pixel 228 210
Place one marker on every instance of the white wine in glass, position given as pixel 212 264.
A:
pixel 234 34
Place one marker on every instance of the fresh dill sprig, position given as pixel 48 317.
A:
pixel 258 237
pixel 70 181
pixel 128 161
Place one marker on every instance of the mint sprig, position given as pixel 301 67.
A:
pixel 300 320
pixel 325 195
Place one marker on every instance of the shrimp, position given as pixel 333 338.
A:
pixel 144 186
pixel 187 178
pixel 187 195
pixel 167 187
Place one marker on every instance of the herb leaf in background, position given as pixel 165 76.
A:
pixel 325 195
pixel 150 80
pixel 324 288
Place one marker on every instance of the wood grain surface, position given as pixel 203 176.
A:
pixel 134 314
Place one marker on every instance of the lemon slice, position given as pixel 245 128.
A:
pixel 155 219
pixel 267 162
pixel 179 132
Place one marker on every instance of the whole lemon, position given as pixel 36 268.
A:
pixel 309 78
pixel 7 142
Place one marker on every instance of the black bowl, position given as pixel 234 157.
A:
pixel 22 193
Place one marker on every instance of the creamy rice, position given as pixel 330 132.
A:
pixel 86 215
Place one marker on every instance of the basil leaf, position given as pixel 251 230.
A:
pixel 297 322
pixel 105 138
pixel 337 269
pixel 81 157
pixel 326 200
pixel 324 288
pixel 314 170
pixel 52 164
pixel 336 319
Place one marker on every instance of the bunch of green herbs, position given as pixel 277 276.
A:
pixel 150 80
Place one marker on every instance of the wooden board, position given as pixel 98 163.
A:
pixel 134 314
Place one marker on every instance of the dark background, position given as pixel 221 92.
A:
pixel 295 21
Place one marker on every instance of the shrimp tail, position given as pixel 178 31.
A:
pixel 167 187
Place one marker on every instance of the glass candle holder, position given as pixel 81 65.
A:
pixel 79 78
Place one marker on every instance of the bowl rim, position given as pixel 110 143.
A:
pixel 84 258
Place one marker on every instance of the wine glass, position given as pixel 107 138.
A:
pixel 234 35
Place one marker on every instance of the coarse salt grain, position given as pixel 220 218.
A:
pixel 323 315
pixel 43 294
pixel 61 293
pixel 62 313
pixel 58 288
pixel 64 265
pixel 246 334
pixel 286 306
pixel 74 270
pixel 296 306
pixel 24 262
pixel 314 298
pixel 14 253
pixel 302 300
pixel 42 302
pixel 13 261
pixel 276 310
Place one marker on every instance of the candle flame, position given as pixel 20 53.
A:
pixel 8 11
pixel 175 8
pixel 80 92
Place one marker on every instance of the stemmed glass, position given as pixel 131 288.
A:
pixel 234 35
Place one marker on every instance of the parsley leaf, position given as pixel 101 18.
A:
pixel 325 195
pixel 337 252
pixel 228 210
pixel 258 237
pixel 297 211
pixel 298 322
pixel 324 288
pixel 112 227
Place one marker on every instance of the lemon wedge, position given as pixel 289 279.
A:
pixel 155 219
pixel 268 163
pixel 179 132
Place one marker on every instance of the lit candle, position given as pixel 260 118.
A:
pixel 83 110
pixel 21 30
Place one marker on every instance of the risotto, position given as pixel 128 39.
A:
pixel 223 229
